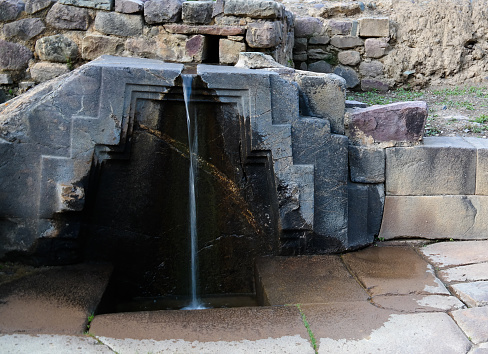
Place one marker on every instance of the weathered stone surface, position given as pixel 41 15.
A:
pixel 474 294
pixel 94 46
pixel 349 57
pixel 24 29
pixel 253 8
pixel 481 146
pixel 264 34
pixel 418 303
pixel 442 165
pixel 119 24
pixel 345 42
pixel 300 56
pixel 394 124
pixel 10 9
pixel 68 17
pixel 197 12
pixel 162 11
pixel 348 74
pixel 129 6
pixel 95 4
pixel 318 54
pixel 306 27
pixel 367 165
pixel 375 47
pixel 33 6
pixel 321 66
pixel 300 45
pixel 229 51
pixel 292 280
pixel 340 27
pixel 331 9
pixel 397 271
pixel 471 272
pixel 13 56
pixel 374 85
pixel 355 104
pixel 196 48
pixel 447 254
pixel 256 60
pixel 365 211
pixel 474 322
pixel 42 71
pixel 374 27
pixel 57 48
pixel 435 217
pixel 5 79
pixel 371 69
pixel 212 30
pixel 57 343
pixel 319 40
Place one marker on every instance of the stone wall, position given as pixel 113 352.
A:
pixel 42 39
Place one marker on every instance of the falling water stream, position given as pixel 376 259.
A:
pixel 195 303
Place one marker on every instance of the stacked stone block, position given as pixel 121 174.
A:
pixel 37 34
pixel 349 47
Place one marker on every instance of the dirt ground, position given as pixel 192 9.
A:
pixel 453 111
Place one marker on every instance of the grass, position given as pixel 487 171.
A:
pixel 313 341
pixel 482 119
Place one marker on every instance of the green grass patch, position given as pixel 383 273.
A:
pixel 482 119
pixel 313 341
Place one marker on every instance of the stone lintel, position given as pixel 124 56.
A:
pixel 212 30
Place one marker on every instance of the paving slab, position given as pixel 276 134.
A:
pixel 418 303
pixel 49 344
pixel 448 254
pixel 472 272
pixel 305 279
pixel 210 325
pixel 474 322
pixel 479 349
pixel 474 294
pixel 394 271
pixel 54 300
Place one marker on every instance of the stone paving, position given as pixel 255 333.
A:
pixel 395 297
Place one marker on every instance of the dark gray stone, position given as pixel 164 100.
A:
pixel 307 27
pixel 340 27
pixel 319 40
pixel 300 45
pixel 320 66
pixel 347 74
pixel 13 56
pixel 33 6
pixel 345 42
pixel 197 12
pixel 119 24
pixel 57 48
pixel 318 54
pixel 355 104
pixel 24 29
pixel 10 9
pixel 374 85
pixel 367 165
pixel 129 6
pixel 68 17
pixel 42 71
pixel 371 69
pixel 264 34
pixel 162 11
pixel 94 4
pixel 253 8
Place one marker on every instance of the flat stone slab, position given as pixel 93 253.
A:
pixel 49 344
pixel 211 325
pixel 474 322
pixel 448 254
pixel 418 303
pixel 471 272
pixel 474 294
pixel 55 300
pixel 394 271
pixel 479 349
pixel 305 279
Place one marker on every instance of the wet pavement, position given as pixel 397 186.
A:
pixel 395 297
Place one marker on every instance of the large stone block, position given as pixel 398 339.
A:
pixel 119 24
pixel 253 8
pixel 162 11
pixel 229 51
pixel 345 42
pixel 367 165
pixel 43 71
pixel 24 29
pixel 374 27
pixel 95 4
pixel 33 6
pixel 57 48
pixel 375 47
pixel 94 46
pixel 13 56
pixel 442 165
pixel 396 124
pixel 349 57
pixel 129 6
pixel 306 27
pixel 10 9
pixel 197 12
pixel 481 146
pixel 435 217
pixel 340 27
pixel 371 69
pixel 68 17
pixel 264 34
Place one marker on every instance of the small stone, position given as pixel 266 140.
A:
pixel 300 45
pixel 366 164
pixel 349 57
pixel 129 6
pixel 303 66
pixel 319 40
pixel 306 27
pixel 119 24
pixel 13 56
pixel 57 48
pixel 340 27
pixel 347 74
pixel 264 34
pixel 24 29
pixel 374 27
pixel 33 6
pixel 229 51
pixel 5 79
pixel 68 17
pixel 320 66
pixel 300 56
pixel 95 4
pixel 375 47
pixel 371 69
pixel 355 104
pixel 196 48
pixel 256 60
pixel 197 12
pixel 94 46
pixel 345 42
pixel 374 85
pixel 10 9
pixel 25 85
pixel 162 11
pixel 318 54
pixel 253 8
pixel 45 71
